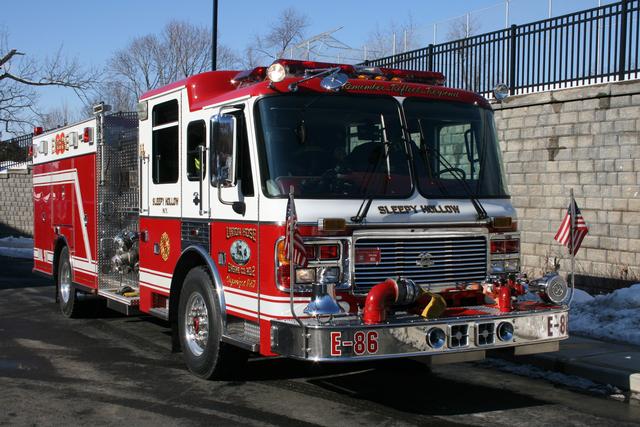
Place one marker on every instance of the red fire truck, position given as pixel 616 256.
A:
pixel 391 184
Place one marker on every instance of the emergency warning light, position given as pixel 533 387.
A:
pixel 87 135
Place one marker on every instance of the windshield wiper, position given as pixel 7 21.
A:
pixel 482 213
pixel 366 203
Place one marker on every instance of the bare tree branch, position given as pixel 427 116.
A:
pixel 380 40
pixel 180 50
pixel 21 77
pixel 285 32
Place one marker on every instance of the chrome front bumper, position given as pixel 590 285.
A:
pixel 347 338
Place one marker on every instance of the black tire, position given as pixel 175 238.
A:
pixel 67 293
pixel 204 353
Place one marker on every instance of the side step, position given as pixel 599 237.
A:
pixel 125 305
pixel 242 333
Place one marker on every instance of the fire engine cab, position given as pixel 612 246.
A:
pixel 323 212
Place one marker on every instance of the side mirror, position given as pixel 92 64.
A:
pixel 224 143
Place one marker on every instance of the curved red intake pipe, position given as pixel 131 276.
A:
pixel 379 298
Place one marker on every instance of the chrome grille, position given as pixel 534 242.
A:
pixel 454 260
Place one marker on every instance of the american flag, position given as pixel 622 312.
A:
pixel 563 235
pixel 299 253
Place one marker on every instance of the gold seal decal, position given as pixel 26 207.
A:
pixel 165 246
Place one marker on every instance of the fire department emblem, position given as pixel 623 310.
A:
pixel 165 246
pixel 60 143
pixel 240 252
pixel 425 260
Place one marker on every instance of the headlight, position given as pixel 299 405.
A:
pixel 305 275
pixel 276 72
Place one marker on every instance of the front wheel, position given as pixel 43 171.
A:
pixel 67 294
pixel 200 328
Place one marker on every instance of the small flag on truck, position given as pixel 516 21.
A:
pixel 297 255
pixel 573 228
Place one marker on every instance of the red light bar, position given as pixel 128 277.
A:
pixel 37 130
pixel 299 67
pixel 250 76
pixel 409 76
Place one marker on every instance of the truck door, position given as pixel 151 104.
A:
pixel 160 205
pixel 195 185
pixel 234 209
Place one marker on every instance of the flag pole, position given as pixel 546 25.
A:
pixel 292 273
pixel 571 246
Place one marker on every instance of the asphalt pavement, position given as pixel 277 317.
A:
pixel 107 369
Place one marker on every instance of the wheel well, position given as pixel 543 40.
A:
pixel 60 243
pixel 186 262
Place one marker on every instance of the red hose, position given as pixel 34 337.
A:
pixel 379 298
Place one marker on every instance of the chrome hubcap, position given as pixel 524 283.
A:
pixel 196 324
pixel 65 282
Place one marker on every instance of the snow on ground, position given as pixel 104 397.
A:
pixel 16 247
pixel 615 316
pixel 565 380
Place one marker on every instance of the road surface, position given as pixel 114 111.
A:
pixel 107 369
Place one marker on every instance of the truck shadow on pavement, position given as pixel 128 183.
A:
pixel 424 392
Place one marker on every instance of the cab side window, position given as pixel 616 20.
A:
pixel 196 136
pixel 165 143
pixel 243 172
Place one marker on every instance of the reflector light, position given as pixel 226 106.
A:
pixel 87 135
pixel 505 246
pixel 283 275
pixel 329 252
pixel 310 251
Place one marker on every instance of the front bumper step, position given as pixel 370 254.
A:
pixel 347 338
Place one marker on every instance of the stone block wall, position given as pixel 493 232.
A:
pixel 16 203
pixel 583 138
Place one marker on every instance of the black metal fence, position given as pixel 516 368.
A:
pixel 591 46
pixel 15 151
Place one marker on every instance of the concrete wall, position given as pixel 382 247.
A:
pixel 16 203
pixel 586 139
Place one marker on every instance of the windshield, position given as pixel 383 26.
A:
pixel 332 146
pixel 452 141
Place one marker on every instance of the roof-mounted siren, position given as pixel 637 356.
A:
pixel 101 108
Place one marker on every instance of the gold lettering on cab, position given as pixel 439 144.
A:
pixel 245 271
pixel 249 233
pixel 403 89
pixel 241 283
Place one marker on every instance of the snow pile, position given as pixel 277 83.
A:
pixel 16 247
pixel 615 316
pixel 580 297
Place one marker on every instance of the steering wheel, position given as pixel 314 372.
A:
pixel 459 172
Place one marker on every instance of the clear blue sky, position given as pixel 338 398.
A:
pixel 93 30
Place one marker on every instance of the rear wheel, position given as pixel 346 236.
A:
pixel 200 328
pixel 67 294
